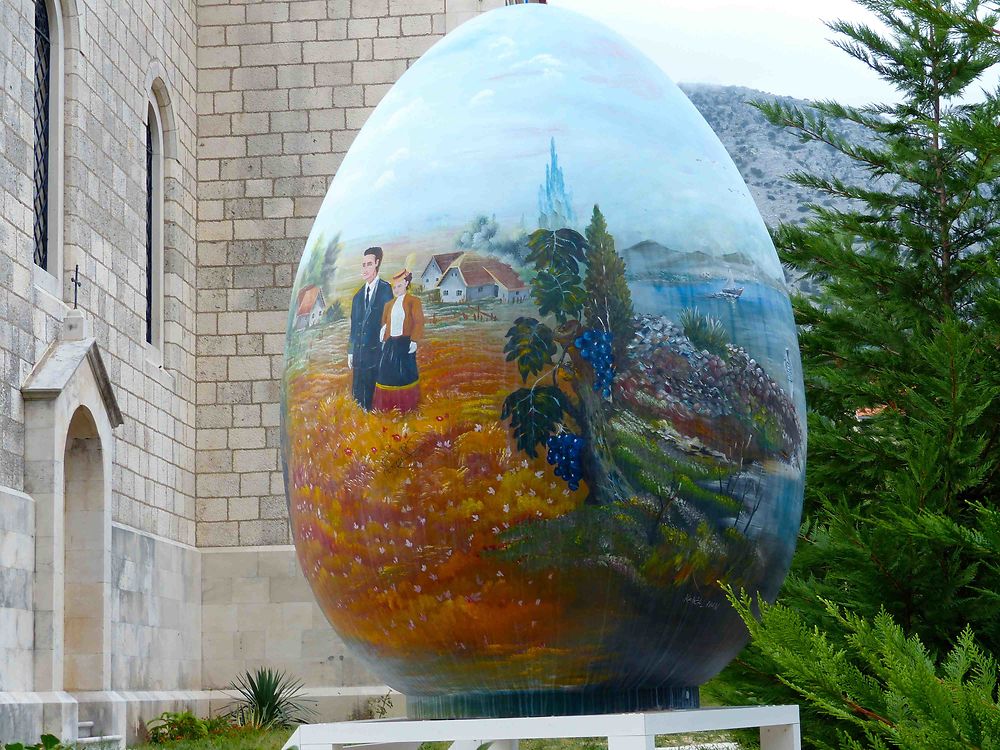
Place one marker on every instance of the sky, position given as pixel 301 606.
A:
pixel 777 46
pixel 467 131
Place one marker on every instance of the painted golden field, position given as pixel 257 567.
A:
pixel 396 516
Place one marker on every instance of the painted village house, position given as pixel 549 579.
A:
pixel 467 277
pixel 310 308
pixel 176 153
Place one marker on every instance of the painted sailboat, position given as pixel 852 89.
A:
pixel 730 291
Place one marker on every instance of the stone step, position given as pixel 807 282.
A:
pixel 84 729
pixel 107 742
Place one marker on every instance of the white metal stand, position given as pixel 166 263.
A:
pixel 779 730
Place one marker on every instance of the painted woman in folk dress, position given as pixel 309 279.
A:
pixel 397 385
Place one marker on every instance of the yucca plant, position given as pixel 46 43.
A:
pixel 706 332
pixel 268 699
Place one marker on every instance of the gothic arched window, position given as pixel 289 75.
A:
pixel 154 226
pixel 42 122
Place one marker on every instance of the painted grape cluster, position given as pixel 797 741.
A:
pixel 564 453
pixel 595 347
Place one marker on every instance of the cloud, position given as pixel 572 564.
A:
pixel 482 97
pixel 545 64
pixel 504 47
pixel 387 178
pixel 400 154
pixel 405 115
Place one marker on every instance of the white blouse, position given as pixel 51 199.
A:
pixel 396 317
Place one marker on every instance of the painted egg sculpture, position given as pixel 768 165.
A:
pixel 542 394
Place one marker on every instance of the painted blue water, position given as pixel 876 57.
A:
pixel 760 321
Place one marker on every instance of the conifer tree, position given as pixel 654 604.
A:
pixel 609 301
pixel 901 355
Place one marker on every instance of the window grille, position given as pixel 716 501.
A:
pixel 149 232
pixel 43 59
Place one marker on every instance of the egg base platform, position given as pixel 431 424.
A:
pixel 779 730
pixel 513 703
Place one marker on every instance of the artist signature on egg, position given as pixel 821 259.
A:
pixel 697 601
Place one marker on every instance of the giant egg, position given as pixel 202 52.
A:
pixel 542 395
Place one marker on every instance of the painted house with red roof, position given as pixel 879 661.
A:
pixel 470 278
pixel 311 305
pixel 436 268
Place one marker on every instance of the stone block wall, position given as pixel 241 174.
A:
pixel 259 611
pixel 112 52
pixel 283 88
pixel 17 565
pixel 155 613
pixel 17 318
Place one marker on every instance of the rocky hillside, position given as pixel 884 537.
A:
pixel 764 154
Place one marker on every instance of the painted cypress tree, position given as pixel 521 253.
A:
pixel 901 354
pixel 609 301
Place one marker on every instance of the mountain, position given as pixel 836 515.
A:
pixel 764 154
pixel 651 259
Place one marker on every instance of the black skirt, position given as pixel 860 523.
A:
pixel 397 367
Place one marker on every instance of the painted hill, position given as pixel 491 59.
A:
pixel 651 259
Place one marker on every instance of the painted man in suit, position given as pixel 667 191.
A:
pixel 366 320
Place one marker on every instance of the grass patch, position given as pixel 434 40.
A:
pixel 236 740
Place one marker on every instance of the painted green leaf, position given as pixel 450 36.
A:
pixel 531 344
pixel 559 293
pixel 562 250
pixel 534 414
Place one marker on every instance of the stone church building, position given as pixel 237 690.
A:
pixel 161 163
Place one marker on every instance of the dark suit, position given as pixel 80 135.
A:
pixel 366 321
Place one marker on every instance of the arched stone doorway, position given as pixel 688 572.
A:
pixel 85 579
pixel 70 411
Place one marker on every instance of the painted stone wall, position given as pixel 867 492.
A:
pixel 283 89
